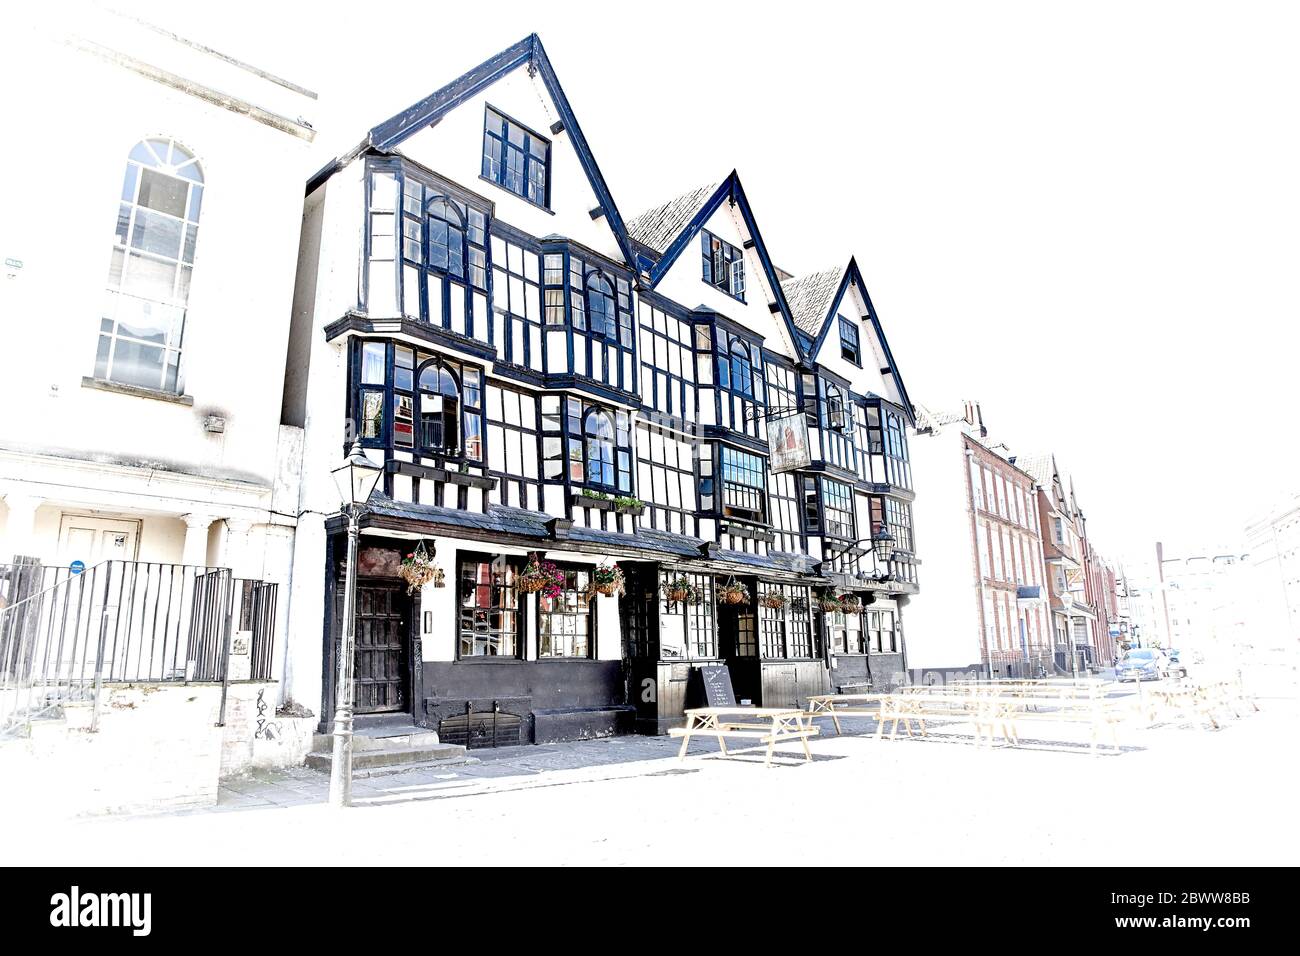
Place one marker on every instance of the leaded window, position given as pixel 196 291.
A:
pixel 445 266
pixel 142 326
pixel 844 631
pixel 564 622
pixel 887 445
pixel 418 401
pixel 894 516
pixel 724 265
pixel 490 620
pixel 881 636
pixel 743 485
pixel 786 631
pixel 697 619
pixel 593 303
pixel 591 443
pixel 516 158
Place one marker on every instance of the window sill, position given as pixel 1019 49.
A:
pixel 546 209
pixel 104 385
pixel 729 295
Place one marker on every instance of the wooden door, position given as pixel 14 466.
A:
pixel 383 660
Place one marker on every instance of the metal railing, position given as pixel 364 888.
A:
pixel 63 636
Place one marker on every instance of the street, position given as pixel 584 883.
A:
pixel 1171 796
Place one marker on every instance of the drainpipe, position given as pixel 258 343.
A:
pixel 979 574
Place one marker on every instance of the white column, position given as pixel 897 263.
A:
pixel 20 528
pixel 196 539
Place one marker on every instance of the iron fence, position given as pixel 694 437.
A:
pixel 63 636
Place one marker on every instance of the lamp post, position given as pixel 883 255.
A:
pixel 355 479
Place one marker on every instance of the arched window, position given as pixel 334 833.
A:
pixel 598 434
pixel 439 410
pixel 742 372
pixel 143 322
pixel 836 414
pixel 446 237
pixel 600 306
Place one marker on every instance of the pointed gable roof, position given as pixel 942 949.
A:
pixel 656 228
pixel 811 298
pixel 528 52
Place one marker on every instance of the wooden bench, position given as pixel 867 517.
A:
pixel 769 725
pixel 836 705
pixel 988 712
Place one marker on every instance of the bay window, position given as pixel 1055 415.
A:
pixel 744 488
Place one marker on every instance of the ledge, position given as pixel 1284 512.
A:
pixel 752 532
pixel 139 392
pixel 606 504
pixel 395 467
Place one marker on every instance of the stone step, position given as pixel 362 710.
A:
pixel 409 736
pixel 394 756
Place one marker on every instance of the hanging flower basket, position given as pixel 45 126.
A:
pixel 830 604
pixel 418 569
pixel 733 592
pixel 607 579
pixel 541 576
pixel 776 600
pixel 850 604
pixel 679 590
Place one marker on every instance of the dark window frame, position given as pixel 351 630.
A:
pixel 715 251
pixel 519 610
pixel 499 141
pixel 577 607
pixel 850 341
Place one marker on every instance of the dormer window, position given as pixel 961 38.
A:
pixel 724 266
pixel 850 343
pixel 516 158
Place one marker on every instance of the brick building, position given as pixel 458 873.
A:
pixel 984 551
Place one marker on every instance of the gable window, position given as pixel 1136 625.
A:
pixel 850 345
pixel 516 158
pixel 564 622
pixel 743 485
pixel 143 322
pixel 490 621
pixel 724 266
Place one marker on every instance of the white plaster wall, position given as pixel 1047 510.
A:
pixel 684 283
pixel 454 148
pixel 868 377
pixel 60 225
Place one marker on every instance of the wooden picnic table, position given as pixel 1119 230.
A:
pixel 836 705
pixel 770 725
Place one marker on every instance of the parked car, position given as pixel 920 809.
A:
pixel 1144 663
pixel 1173 666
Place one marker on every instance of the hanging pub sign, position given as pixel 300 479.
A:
pixel 787 438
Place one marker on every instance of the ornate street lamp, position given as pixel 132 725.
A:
pixel 355 480
pixel 882 542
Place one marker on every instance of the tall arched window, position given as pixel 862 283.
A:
pixel 446 238
pixel 600 306
pixel 438 410
pixel 143 322
pixel 742 372
pixel 598 433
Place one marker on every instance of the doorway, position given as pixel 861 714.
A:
pixel 91 539
pixel 738 647
pixel 383 665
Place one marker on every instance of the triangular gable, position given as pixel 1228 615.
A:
pixel 853 276
pixel 528 52
pixel 729 189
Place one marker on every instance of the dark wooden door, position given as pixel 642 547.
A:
pixel 383 657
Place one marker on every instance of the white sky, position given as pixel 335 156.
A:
pixel 1084 216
